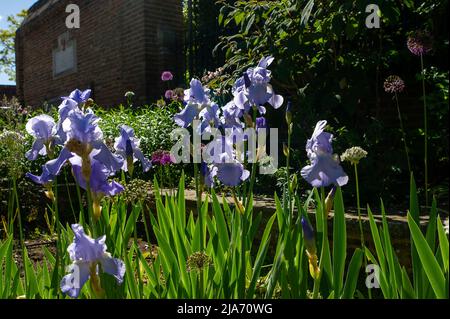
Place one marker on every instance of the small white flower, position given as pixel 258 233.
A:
pixel 446 226
pixel 353 155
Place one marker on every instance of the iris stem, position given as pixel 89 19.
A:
pixel 199 202
pixel 253 173
pixel 58 229
pixel 425 122
pixel 22 239
pixel 403 133
pixel 288 177
pixel 70 197
pixel 324 240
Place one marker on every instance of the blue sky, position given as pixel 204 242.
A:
pixel 8 7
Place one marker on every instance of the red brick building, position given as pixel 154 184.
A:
pixel 121 45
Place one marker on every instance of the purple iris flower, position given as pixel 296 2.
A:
pixel 232 174
pixel 209 117
pixel 84 136
pixel 51 169
pixel 254 89
pixel 83 127
pixel 127 146
pixel 98 181
pixel 67 106
pixel 229 171
pixel 79 96
pixel 325 169
pixel 196 99
pixel 197 93
pixel 231 116
pixel 208 173
pixel 45 178
pixel 73 102
pixel 320 141
pixel 43 129
pixel 86 255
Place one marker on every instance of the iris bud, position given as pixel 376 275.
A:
pixel 285 150
pixel 130 158
pixel 288 115
pixel 97 209
pixel 293 183
pixel 308 235
pixel 329 200
pixel 49 192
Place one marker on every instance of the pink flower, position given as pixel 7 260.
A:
pixel 169 95
pixel 167 76
pixel 162 158
pixel 419 42
pixel 394 84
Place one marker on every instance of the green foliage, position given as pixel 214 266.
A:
pixel 201 256
pixel 330 65
pixel 7 47
pixel 153 125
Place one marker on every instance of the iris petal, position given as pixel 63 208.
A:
pixel 186 116
pixel 37 148
pixel 72 283
pixel 114 267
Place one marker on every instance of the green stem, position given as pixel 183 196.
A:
pixel 288 177
pixel 22 239
pixel 253 173
pixel 201 284
pixel 138 253
pixel 90 209
pixel 324 240
pixel 425 122
pixel 358 205
pixel 58 229
pixel 403 133
pixel 316 287
pixel 70 197
pixel 199 201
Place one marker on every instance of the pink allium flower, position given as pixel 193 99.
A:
pixel 167 76
pixel 419 43
pixel 169 95
pixel 162 158
pixel 394 84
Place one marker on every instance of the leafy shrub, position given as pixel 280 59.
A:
pixel 330 65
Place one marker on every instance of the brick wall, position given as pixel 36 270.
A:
pixel 121 45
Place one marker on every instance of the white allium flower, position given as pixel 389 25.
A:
pixel 446 226
pixel 353 155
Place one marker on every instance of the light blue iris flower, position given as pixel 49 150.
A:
pixel 43 129
pixel 254 89
pixel 127 146
pixel 73 102
pixel 79 96
pixel 231 116
pixel 87 255
pixel 84 136
pixel 196 99
pixel 99 184
pixel 324 169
